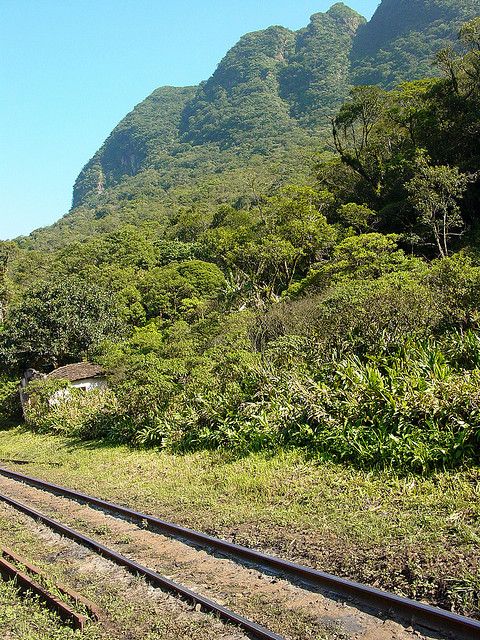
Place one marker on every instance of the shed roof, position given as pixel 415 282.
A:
pixel 78 371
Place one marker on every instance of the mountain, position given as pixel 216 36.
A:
pixel 266 108
pixel 267 87
pixel 134 143
pixel 274 81
pixel 403 36
pixel 337 315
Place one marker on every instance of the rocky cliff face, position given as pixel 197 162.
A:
pixel 130 148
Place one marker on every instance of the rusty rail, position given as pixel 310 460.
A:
pixel 154 578
pixel 410 611
pixel 27 584
pixel 90 607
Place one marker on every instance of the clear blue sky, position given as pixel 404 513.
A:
pixel 71 69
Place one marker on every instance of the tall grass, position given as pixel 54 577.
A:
pixel 416 407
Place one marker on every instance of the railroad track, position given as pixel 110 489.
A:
pixel 29 579
pixel 445 623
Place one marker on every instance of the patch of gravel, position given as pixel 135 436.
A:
pixel 114 589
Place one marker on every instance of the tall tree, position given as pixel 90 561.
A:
pixel 435 192
pixel 7 249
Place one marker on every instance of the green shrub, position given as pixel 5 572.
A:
pixel 55 406
pixel 10 407
pixel 360 382
pixel 414 408
pixel 412 411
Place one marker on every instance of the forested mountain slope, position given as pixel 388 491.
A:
pixel 400 41
pixel 266 106
pixel 252 103
pixel 150 130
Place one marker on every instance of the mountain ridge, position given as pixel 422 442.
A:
pixel 402 37
pixel 269 101
pixel 237 104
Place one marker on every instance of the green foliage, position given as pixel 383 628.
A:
pixel 435 193
pixel 355 261
pixel 42 397
pixel 7 251
pixel 57 322
pixel 412 409
pixel 358 216
pixel 272 244
pixel 351 375
pixel 167 291
pixel 10 409
pixel 368 256
pixel 55 406
pixel 242 300
pixel 403 37
pixel 409 154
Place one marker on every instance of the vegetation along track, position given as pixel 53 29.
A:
pixel 335 622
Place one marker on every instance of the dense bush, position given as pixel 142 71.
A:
pixel 55 406
pixel 411 410
pixel 10 408
pixel 375 371
pixel 415 407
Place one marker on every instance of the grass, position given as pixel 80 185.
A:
pixel 418 536
pixel 26 618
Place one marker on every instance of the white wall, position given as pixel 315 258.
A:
pixel 90 383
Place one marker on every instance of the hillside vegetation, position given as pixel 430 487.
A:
pixel 402 38
pixel 275 259
pixel 257 122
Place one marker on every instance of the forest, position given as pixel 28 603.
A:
pixel 322 297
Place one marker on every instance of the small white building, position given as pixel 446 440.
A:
pixel 82 375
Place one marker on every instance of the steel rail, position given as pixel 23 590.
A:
pixel 154 578
pixel 12 557
pixel 414 612
pixel 27 584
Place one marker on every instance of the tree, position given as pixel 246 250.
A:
pixel 463 71
pixel 169 290
pixel 434 192
pixel 368 256
pixel 264 249
pixel 56 323
pixel 358 216
pixel 130 247
pixel 358 134
pixel 7 250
